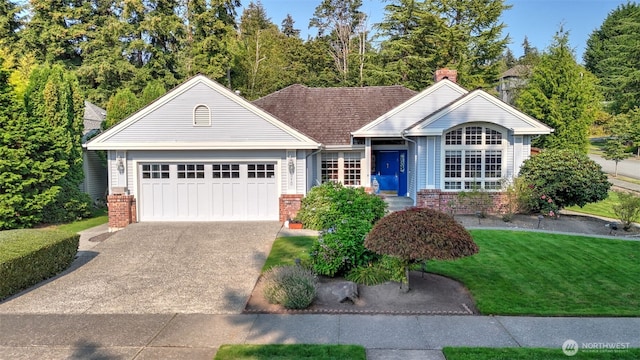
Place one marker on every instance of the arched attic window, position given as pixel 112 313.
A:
pixel 201 116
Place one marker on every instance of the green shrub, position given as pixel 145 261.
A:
pixel 561 178
pixel 341 248
pixel 28 256
pixel 387 268
pixel 293 287
pixel 327 204
pixel 628 209
pixel 371 274
pixel 71 204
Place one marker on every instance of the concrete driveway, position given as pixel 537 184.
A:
pixel 158 268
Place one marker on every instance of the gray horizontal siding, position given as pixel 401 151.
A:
pixel 173 122
pixel 418 110
pixel 479 109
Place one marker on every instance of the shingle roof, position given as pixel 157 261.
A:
pixel 517 71
pixel 329 114
pixel 93 117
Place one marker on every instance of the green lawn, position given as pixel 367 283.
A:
pixel 463 353
pixel 601 208
pixel 530 273
pixel 533 273
pixel 291 352
pixel 77 226
pixel 286 249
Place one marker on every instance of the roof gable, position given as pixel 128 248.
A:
pixel 413 110
pixel 330 114
pixel 478 106
pixel 168 123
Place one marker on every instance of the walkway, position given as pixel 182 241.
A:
pixel 197 336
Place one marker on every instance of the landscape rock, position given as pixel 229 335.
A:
pixel 338 292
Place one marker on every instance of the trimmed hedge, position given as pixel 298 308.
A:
pixel 28 256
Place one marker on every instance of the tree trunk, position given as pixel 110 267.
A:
pixel 404 288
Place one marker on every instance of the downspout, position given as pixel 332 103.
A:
pixel 415 161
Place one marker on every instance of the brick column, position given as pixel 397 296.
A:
pixel 289 206
pixel 122 211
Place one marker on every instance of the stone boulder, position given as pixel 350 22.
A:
pixel 338 292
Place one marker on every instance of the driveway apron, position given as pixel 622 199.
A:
pixel 158 268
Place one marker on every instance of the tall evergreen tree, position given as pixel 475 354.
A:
pixel 210 37
pixel 563 95
pixel 429 34
pixel 288 27
pixel 104 69
pixel 9 22
pixel 54 32
pixel 40 149
pixel 613 56
pixel 53 97
pixel 407 53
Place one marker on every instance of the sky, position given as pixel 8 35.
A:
pixel 539 20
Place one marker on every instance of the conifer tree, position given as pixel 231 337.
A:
pixel 563 95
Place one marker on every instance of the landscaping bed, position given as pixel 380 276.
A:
pixel 518 273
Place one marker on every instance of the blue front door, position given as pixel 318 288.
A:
pixel 390 171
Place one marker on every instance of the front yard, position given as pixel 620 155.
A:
pixel 533 273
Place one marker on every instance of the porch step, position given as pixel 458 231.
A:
pixel 397 203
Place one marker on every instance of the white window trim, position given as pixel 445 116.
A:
pixel 341 169
pixel 195 108
pixel 483 148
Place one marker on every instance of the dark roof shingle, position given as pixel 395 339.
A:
pixel 328 115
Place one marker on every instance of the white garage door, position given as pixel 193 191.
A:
pixel 208 191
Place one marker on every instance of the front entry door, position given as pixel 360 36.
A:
pixel 391 171
pixel 387 170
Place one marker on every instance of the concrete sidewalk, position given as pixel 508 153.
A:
pixel 197 336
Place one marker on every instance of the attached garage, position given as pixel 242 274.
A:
pixel 203 153
pixel 217 191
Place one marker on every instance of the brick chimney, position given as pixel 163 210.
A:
pixel 445 73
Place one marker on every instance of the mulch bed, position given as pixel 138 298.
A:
pixel 429 294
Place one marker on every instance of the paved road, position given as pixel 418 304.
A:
pixel 629 167
pixel 158 268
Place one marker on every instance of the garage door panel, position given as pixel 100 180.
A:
pixel 259 203
pixel 191 204
pixel 217 191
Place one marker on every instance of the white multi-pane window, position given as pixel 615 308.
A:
pixel 352 168
pixel 344 167
pixel 155 171
pixel 329 167
pixel 190 171
pixel 473 158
